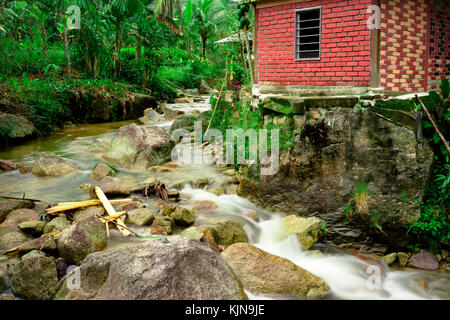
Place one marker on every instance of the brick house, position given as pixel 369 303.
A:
pixel 329 43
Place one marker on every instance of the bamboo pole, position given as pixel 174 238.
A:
pixel 111 211
pixel 217 102
pixel 61 207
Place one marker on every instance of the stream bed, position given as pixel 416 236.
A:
pixel 346 274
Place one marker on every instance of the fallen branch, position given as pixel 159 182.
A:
pixel 61 207
pixel 111 211
pixel 26 199
pixel 445 142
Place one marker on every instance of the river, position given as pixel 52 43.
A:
pixel 348 276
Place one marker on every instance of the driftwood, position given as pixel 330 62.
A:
pixel 111 211
pixel 159 189
pixel 66 206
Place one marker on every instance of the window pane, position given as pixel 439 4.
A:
pixel 307 34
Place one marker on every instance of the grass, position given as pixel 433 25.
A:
pixel 362 198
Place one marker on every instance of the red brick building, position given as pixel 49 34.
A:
pixel 329 43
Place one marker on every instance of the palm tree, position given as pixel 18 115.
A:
pixel 203 22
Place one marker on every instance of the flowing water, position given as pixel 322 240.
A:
pixel 347 275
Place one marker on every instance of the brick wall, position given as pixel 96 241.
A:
pixel 345 45
pixel 403 47
pixel 439 48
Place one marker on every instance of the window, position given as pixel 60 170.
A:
pixel 307 33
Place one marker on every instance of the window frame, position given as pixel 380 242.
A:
pixel 295 33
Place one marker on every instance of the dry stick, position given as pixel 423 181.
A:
pixel 110 210
pixel 447 146
pixel 217 103
pixel 76 205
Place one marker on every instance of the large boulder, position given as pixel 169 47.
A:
pixel 96 211
pixel 333 152
pixel 80 239
pixel 18 216
pixel 50 164
pixel 15 126
pixel 143 102
pixel 227 231
pixel 112 187
pixel 265 273
pixel 185 122
pixel 12 240
pixel 140 147
pixel 306 229
pixel 34 278
pixel 424 260
pixel 7 206
pixel 102 171
pixel 163 269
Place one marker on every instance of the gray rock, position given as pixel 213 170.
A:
pixel 15 126
pixel 8 165
pixel 50 164
pixel 140 217
pixel 165 269
pixel 7 206
pixel 135 147
pixel 32 254
pixel 34 278
pixel 228 231
pixel 113 187
pixel 102 171
pixel 44 243
pixel 12 240
pixel 264 273
pixel 163 225
pixel 205 88
pixel 183 122
pixel 96 211
pixel 192 233
pixel 16 217
pixel 2 282
pixel 80 239
pixel 151 117
pixel 183 216
pixel 424 260
pixel 34 228
pixel 57 224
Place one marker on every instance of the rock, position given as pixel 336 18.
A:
pixel 61 268
pixel 251 214
pixel 85 187
pixel 80 239
pixel 7 206
pixel 201 183
pixel 12 240
pixel 8 165
pixel 16 127
pixel 183 216
pixel 174 195
pixel 228 231
pixel 32 254
pixel 33 228
pixel 25 169
pixel 185 122
pixel 7 298
pixel 208 237
pixel 204 88
pixel 44 243
pixel 140 217
pixel 18 216
pixel 112 187
pixel 205 205
pixel 163 269
pixel 264 273
pixel 389 259
pixel 34 278
pixel 143 102
pixel 316 177
pixel 170 113
pixel 191 92
pixel 424 260
pixel 102 171
pixel 192 233
pixel 150 117
pixel 50 164
pixel 402 258
pixel 96 211
pixel 306 229
pixel 135 147
pixel 57 224
pixel 230 172
pixel 160 169
pixel 163 225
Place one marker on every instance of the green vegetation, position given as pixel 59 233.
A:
pixel 432 229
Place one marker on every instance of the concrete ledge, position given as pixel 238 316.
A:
pixel 309 91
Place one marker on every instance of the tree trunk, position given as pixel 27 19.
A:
pixel 66 49
pixel 241 51
pixel 87 60
pixel 204 47
pixel 117 54
pixel 44 42
pixel 95 67
pixel 180 12
pixel 249 55
pixel 138 44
